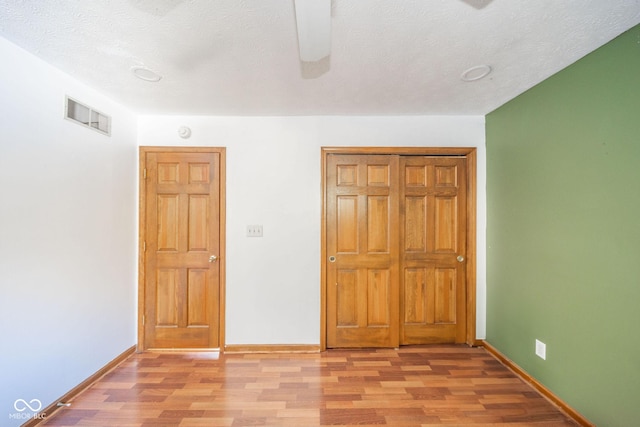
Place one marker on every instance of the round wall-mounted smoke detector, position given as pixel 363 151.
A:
pixel 145 73
pixel 184 132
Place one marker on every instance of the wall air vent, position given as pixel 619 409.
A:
pixel 87 116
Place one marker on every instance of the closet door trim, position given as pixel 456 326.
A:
pixel 470 153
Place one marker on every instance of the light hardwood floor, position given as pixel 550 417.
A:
pixel 413 386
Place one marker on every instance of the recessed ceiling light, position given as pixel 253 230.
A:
pixel 146 74
pixel 475 73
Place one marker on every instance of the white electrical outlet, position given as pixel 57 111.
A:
pixel 541 350
pixel 254 231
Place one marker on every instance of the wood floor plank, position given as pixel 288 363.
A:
pixel 412 386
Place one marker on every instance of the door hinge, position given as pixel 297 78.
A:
pixel 144 173
pixel 143 320
pixel 144 246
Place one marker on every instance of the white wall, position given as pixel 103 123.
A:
pixel 273 179
pixel 67 234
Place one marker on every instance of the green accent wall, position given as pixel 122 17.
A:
pixel 563 232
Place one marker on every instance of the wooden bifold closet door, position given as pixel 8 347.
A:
pixel 396 247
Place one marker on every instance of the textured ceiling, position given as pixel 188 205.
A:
pixel 240 57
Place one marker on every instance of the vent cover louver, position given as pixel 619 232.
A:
pixel 87 116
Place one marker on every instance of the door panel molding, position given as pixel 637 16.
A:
pixel 470 154
pixel 196 175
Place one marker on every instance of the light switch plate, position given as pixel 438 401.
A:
pixel 254 231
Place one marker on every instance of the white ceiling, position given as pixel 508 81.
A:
pixel 240 57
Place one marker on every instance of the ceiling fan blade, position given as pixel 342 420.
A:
pixel 478 4
pixel 313 21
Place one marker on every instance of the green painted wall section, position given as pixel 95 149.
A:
pixel 563 237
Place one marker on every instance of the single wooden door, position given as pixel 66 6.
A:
pixel 182 243
pixel 362 244
pixel 396 247
pixel 433 249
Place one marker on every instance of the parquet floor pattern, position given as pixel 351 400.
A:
pixel 413 386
